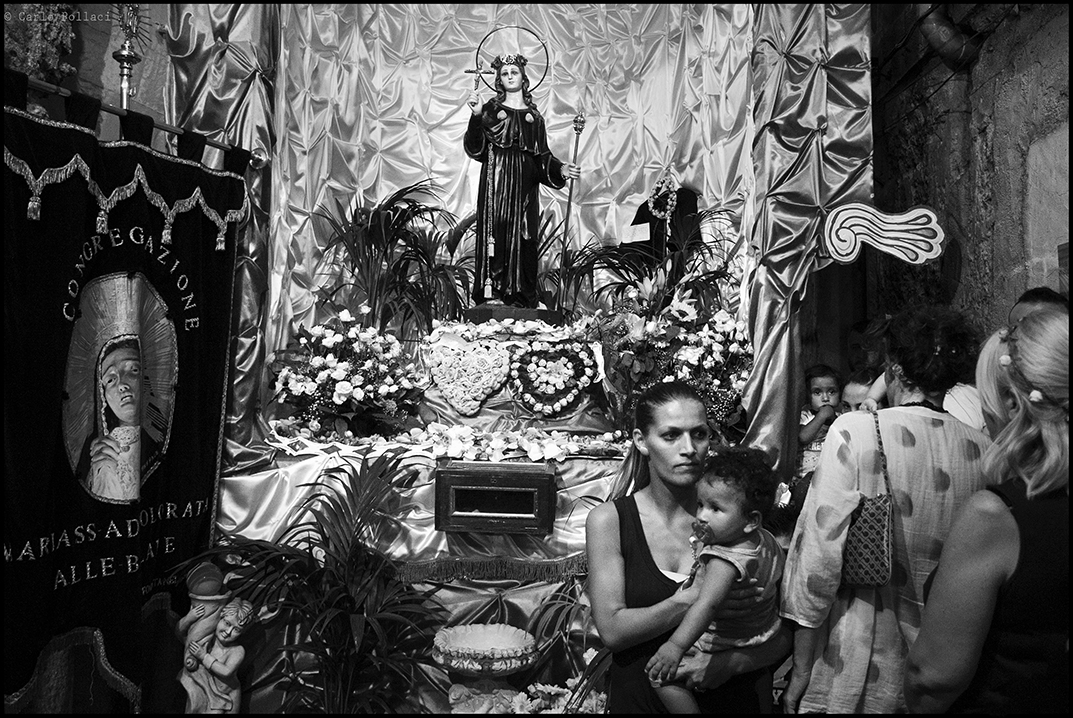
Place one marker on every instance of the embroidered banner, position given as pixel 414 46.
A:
pixel 118 271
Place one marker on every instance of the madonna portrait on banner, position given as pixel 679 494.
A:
pixel 120 384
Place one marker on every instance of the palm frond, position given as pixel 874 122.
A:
pixel 363 632
pixel 394 258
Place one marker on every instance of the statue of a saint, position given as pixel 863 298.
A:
pixel 507 135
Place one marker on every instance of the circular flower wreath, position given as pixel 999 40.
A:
pixel 549 378
pixel 664 197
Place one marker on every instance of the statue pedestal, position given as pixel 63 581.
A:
pixel 499 312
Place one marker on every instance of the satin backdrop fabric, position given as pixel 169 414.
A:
pixel 812 153
pixel 255 506
pixel 221 83
pixel 372 98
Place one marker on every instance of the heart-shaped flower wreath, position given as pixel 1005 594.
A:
pixel 548 378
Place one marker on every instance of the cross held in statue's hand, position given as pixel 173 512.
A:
pixel 477 72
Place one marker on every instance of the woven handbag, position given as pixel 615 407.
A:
pixel 867 556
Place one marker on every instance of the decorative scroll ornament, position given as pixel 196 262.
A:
pixel 913 236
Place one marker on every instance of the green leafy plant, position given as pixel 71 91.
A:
pixel 690 265
pixel 560 624
pixel 364 635
pixel 397 258
pixel 566 275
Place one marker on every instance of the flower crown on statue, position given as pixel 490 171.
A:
pixel 512 59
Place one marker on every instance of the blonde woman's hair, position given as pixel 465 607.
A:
pixel 1023 379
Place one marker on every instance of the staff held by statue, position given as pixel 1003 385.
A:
pixel 579 126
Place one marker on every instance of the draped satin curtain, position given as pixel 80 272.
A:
pixel 221 84
pixel 372 98
pixel 812 153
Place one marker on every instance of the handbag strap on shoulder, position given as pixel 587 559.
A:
pixel 882 453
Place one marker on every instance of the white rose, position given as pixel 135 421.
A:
pixel 343 390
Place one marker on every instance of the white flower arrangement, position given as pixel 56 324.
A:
pixel 468 374
pixel 549 378
pixel 712 353
pixel 465 442
pixel 339 373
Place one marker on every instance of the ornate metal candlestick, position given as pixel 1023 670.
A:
pixel 130 20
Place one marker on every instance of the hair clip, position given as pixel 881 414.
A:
pixel 1005 360
pixel 1035 396
pixel 1003 333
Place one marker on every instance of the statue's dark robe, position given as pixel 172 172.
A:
pixel 512 147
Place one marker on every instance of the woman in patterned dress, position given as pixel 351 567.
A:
pixel 851 644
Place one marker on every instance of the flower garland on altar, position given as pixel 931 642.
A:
pixel 508 329
pixel 663 199
pixel 549 378
pixel 464 442
pixel 344 378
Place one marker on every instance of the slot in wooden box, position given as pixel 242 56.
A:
pixel 495 497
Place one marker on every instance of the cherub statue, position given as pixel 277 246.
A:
pixel 205 584
pixel 213 686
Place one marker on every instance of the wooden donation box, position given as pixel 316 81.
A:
pixel 495 497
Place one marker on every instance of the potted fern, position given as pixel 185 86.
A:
pixel 397 259
pixel 363 635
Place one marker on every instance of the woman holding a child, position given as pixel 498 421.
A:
pixel 851 644
pixel 639 553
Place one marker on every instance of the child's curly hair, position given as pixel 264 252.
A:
pixel 748 471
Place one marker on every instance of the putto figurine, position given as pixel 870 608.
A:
pixel 210 632
pixel 205 584
pixel 213 686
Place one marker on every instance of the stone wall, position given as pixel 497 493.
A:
pixel 987 147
